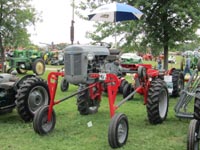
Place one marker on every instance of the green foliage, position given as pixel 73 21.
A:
pixel 15 16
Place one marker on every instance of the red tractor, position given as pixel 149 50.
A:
pixel 84 66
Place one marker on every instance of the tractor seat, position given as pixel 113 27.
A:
pixel 7 85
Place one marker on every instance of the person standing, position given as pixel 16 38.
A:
pixel 159 63
pixel 187 66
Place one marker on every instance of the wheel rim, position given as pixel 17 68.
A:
pixel 37 98
pixel 47 125
pixel 163 103
pixel 39 68
pixel 122 131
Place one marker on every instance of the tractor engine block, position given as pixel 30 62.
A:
pixel 80 60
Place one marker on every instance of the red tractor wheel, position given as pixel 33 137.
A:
pixel 157 101
pixel 86 105
pixel 31 95
pixel 41 124
pixel 118 130
pixel 193 135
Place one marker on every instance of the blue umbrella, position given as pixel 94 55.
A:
pixel 115 12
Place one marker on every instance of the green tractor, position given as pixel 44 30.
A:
pixel 24 60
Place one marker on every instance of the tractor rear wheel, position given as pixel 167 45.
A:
pixel 64 85
pixel 193 135
pixel 118 130
pixel 41 124
pixel 31 95
pixel 86 105
pixel 38 67
pixel 178 82
pixel 157 101
pixel 197 104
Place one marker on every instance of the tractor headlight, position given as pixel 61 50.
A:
pixel 90 56
pixel 60 57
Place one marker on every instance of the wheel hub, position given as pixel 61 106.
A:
pixel 37 98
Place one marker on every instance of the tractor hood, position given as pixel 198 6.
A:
pixel 96 50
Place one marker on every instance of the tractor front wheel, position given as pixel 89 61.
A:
pixel 121 87
pixel 64 85
pixel 128 89
pixel 157 101
pixel 21 71
pixel 31 95
pixel 38 67
pixel 41 124
pixel 193 135
pixel 118 130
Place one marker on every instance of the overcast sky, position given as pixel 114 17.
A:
pixel 57 16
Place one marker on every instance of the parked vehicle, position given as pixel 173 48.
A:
pixel 24 60
pixel 130 58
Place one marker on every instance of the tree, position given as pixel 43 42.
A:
pixel 15 16
pixel 168 22
pixel 164 24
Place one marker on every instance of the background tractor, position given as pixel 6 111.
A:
pixel 24 60
pixel 26 94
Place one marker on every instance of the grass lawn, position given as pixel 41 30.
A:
pixel 72 133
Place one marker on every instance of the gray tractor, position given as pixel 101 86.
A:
pixel 26 94
pixel 80 61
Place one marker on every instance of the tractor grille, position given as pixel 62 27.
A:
pixel 73 64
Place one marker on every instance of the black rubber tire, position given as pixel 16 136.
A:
pixel 64 85
pixel 38 67
pixel 192 136
pixel 118 130
pixel 85 104
pixel 121 87
pixel 40 121
pixel 157 101
pixel 31 95
pixel 178 82
pixel 128 88
pixel 19 82
pixel 142 73
pixel 197 104
pixel 198 65
pixel 21 71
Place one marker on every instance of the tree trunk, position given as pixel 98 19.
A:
pixel 2 56
pixel 165 57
